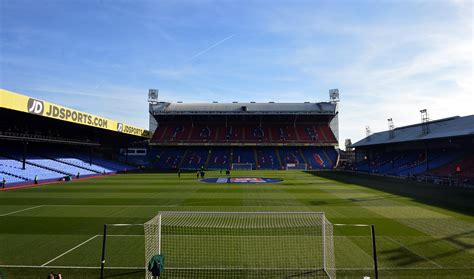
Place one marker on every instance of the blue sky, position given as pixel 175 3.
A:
pixel 388 58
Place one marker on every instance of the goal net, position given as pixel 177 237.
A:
pixel 242 244
pixel 242 166
pixel 296 166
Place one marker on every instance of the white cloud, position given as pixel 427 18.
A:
pixel 396 68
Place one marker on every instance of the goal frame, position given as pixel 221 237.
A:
pixel 296 166
pixel 242 164
pixel 325 222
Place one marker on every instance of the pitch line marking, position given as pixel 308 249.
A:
pixel 69 267
pixel 73 248
pixel 21 210
pixel 181 268
pixel 410 250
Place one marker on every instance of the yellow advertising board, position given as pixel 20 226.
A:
pixel 18 102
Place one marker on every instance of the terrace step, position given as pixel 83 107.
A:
pixel 68 163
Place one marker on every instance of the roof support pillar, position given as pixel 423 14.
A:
pixel 25 143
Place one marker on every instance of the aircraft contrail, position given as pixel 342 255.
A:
pixel 211 47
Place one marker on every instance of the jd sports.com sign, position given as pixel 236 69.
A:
pixel 54 111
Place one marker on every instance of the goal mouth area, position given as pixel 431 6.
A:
pixel 241 180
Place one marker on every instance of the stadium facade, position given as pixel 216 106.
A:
pixel 440 150
pixel 243 135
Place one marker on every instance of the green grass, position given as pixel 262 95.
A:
pixel 423 231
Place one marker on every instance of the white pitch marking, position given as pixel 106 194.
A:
pixel 69 267
pixel 75 247
pixel 21 210
pixel 184 268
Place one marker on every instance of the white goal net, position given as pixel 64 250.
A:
pixel 296 166
pixel 242 244
pixel 242 166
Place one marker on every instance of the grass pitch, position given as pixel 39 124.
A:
pixel 423 231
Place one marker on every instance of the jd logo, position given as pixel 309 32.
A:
pixel 120 127
pixel 35 106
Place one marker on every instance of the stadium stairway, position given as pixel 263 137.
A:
pixel 183 158
pixel 207 159
pixel 231 158
pixel 304 158
pixel 255 156
pixel 296 133
pixel 165 130
pixel 320 131
pixel 278 158
pixel 326 156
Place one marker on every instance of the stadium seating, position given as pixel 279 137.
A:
pixel 194 158
pixel 108 165
pixel 252 133
pixel 320 158
pixel 10 178
pixel 267 159
pixel 465 167
pixel 169 158
pixel 52 165
pixel 241 155
pixel 406 163
pixel 291 155
pixel 219 159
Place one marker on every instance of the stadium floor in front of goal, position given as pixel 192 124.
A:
pixel 423 231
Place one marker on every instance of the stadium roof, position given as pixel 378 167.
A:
pixel 244 108
pixel 22 103
pixel 443 128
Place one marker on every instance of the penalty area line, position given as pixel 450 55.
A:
pixel 73 248
pixel 21 210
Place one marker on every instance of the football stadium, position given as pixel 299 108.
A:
pixel 231 190
pixel 230 139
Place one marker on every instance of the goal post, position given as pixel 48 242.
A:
pixel 242 166
pixel 296 166
pixel 242 244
